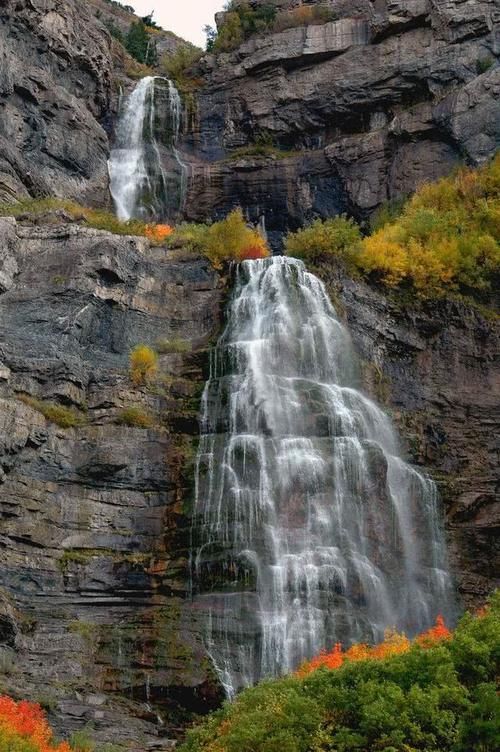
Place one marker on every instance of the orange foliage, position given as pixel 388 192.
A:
pixel 158 233
pixel 252 252
pixel 324 660
pixel 394 643
pixel 27 719
pixel 435 634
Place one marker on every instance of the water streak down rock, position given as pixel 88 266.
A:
pixel 309 527
pixel 147 176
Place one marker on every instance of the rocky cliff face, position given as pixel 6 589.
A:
pixel 359 110
pixel 93 534
pixel 95 616
pixel 311 121
pixel 55 98
pixel 96 619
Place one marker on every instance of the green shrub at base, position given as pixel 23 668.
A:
pixel 338 237
pixel 440 698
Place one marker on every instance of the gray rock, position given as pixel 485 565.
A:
pixel 94 611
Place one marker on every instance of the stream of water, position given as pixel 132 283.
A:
pixel 147 175
pixel 309 527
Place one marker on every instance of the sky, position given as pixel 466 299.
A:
pixel 184 17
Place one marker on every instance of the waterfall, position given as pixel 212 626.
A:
pixel 308 526
pixel 147 175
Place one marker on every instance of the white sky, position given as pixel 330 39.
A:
pixel 184 17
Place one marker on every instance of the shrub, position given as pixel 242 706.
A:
pixel 135 417
pixel 338 237
pixel 394 697
pixel 228 240
pixel 176 66
pixel 447 237
pixel 140 45
pixel 158 233
pixel 176 345
pixel 65 417
pixel 81 741
pixel 242 20
pixel 304 15
pixel 484 63
pixel 143 364
pixel 24 728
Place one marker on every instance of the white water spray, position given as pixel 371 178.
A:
pixel 308 526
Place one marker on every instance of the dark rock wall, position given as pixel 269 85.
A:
pixel 93 529
pixel 385 97
pixel 55 94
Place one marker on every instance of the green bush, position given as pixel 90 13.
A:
pixel 242 20
pixel 438 699
pixel 176 66
pixel 81 741
pixel 339 237
pixel 65 417
pixel 140 44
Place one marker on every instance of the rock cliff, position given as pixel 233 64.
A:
pixel 95 616
pixel 95 612
pixel 93 537
pixel 354 112
pixel 55 99
pixel 309 121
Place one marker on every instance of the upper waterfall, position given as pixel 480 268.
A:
pixel 309 528
pixel 147 175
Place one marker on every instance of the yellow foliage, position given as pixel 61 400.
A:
pixel 231 239
pixel 446 238
pixel 143 364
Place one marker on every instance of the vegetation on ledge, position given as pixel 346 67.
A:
pixel 243 20
pixel 65 417
pixel 446 238
pixel 436 694
pixel 53 209
pixel 230 239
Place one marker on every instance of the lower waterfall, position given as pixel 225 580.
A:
pixel 147 175
pixel 308 528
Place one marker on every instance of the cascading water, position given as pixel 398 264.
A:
pixel 308 526
pixel 147 175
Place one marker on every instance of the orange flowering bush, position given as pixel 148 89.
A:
pixel 24 727
pixel 158 233
pixel 435 634
pixel 394 643
pixel 257 250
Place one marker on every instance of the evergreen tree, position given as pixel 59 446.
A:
pixel 140 44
